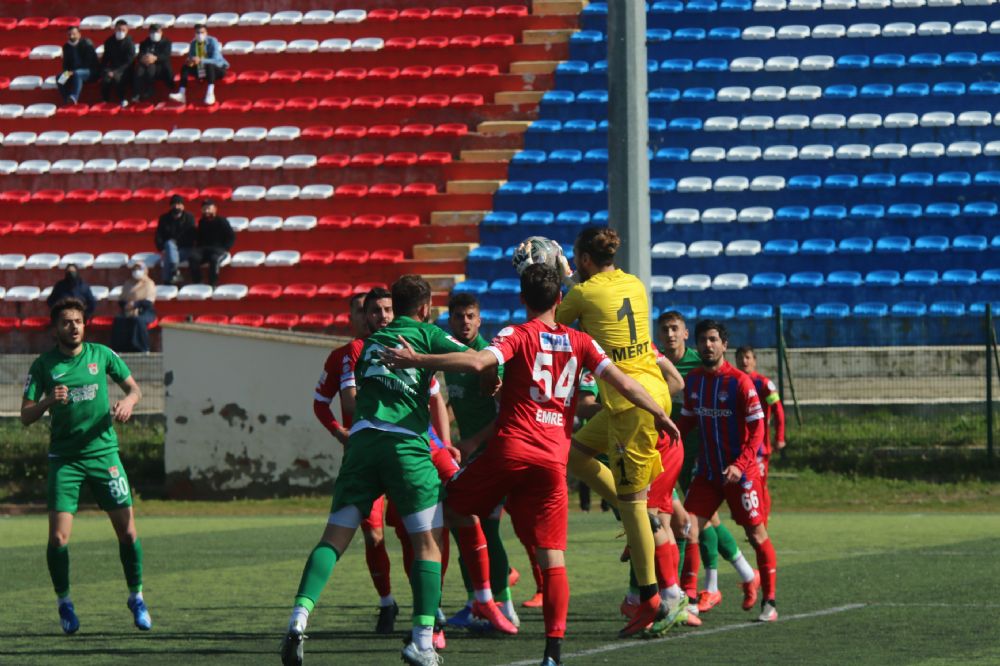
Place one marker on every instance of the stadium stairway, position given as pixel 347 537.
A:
pixel 348 146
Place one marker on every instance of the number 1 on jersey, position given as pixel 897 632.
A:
pixel 626 311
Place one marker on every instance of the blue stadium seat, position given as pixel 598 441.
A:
pixel 876 91
pixel 662 185
pixel 944 209
pixel 883 279
pixel 586 186
pixel 844 279
pixel 832 311
pixel 712 65
pixel 677 65
pixel 959 277
pixel 514 188
pixel 947 309
pixel 925 60
pixel 781 246
pixel 954 179
pixel 989 178
pixel 867 212
pixel 656 35
pixel 554 186
pixel 995 243
pixel 807 279
pixel 795 310
pixel 689 34
pixel 829 213
pixel 495 317
pixel 980 209
pixel 573 67
pixel 878 180
pixel 991 276
pixel 664 95
pixel 519 316
pixel 905 211
pixel 969 244
pixel 600 218
pixel 892 244
pixel 529 157
pixel 889 61
pixel 472 287
pixel 596 155
pixel 792 214
pixel 755 311
pixel 575 218
pixel 948 89
pixel 871 310
pixel 853 61
pixel 698 95
pixel 985 88
pixel 579 125
pixel 592 96
pixel 689 312
pixel 442 320
pixel 565 156
pixel 561 97
pixel 931 244
pixel 916 179
pixel 667 7
pixel 657 125
pixel 672 154
pixel 500 218
pixel 804 182
pixel 599 8
pixel 736 5
pixel 840 91
pixel 506 286
pixel 841 181
pixel 979 307
pixel 684 125
pixel 920 278
pixel 991 58
pixel 538 217
pixel 485 253
pixel 587 37
pixel 961 59
pixel 768 280
pixel 717 312
pixel 543 126
pixel 909 309
pixel 725 34
pixel 702 6
pixel 818 246
pixel 916 89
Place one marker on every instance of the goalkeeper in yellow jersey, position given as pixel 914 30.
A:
pixel 613 307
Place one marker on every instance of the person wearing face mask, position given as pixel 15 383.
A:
pixel 73 286
pixel 152 65
pixel 214 239
pixel 116 63
pixel 130 329
pixel 79 65
pixel 205 62
pixel 175 238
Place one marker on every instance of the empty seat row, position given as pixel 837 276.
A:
pixel 830 213
pixel 707 249
pixel 814 279
pixel 307 321
pixel 837 181
pixel 670 7
pixel 822 151
pixel 862 310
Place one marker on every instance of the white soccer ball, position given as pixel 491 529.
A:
pixel 537 250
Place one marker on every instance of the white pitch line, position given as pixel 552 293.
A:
pixel 627 644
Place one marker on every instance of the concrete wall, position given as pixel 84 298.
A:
pixel 239 413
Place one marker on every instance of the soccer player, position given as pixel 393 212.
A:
pixel 746 360
pixel 613 307
pixel 526 460
pixel 387 453
pixel 339 363
pixel 723 403
pixel 70 382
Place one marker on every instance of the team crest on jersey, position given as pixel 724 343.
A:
pixel 723 396
pixel 505 332
pixel 747 485
pixel 555 342
pixel 113 471
pixel 92 368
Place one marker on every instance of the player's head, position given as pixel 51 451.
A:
pixel 67 318
pixel 673 330
pixel 746 359
pixel 713 340
pixel 359 325
pixel 463 316
pixel 378 309
pixel 595 250
pixel 540 288
pixel 411 297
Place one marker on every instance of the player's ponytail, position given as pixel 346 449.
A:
pixel 600 243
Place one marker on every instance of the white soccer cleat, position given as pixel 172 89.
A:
pixel 180 97
pixel 411 655
pixel 768 612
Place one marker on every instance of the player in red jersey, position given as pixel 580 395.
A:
pixel 722 402
pixel 339 365
pixel 526 459
pixel 746 360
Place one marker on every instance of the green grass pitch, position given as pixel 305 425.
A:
pixel 853 588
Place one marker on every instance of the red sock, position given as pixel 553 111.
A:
pixel 689 575
pixel 666 555
pixel 472 545
pixel 536 571
pixel 378 565
pixel 555 601
pixel 767 563
pixel 445 553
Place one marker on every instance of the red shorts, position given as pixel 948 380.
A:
pixel 537 498
pixel 764 463
pixel 445 464
pixel 746 500
pixel 661 492
pixel 374 519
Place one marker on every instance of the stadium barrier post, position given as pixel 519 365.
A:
pixel 783 361
pixel 990 349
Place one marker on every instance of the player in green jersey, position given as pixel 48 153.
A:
pixel 388 454
pixel 71 383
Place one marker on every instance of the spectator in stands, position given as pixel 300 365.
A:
pixel 214 239
pixel 116 63
pixel 79 65
pixel 205 62
pixel 175 238
pixel 152 65
pixel 73 286
pixel 130 330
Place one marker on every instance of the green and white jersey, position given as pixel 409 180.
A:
pixel 397 400
pixel 689 361
pixel 83 427
pixel 473 410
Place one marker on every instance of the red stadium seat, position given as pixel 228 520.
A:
pixel 382 14
pixel 16 52
pixel 335 290
pixel 319 75
pixel 466 41
pixel 33 23
pixel 351 191
pixel 105 109
pixel 353 257
pixel 252 76
pixel 115 195
pixel 96 226
pixel 286 76
pixel 417 130
pixel 139 109
pixel 36 323
pixel 391 44
pixel 48 196
pixel 337 103
pixel 452 13
pixel 385 190
pixel 466 100
pixel 28 228
pixel 133 225
pixel 365 287
pixel 415 14
pixel 433 42
pixel 5 227
pixel 269 105
pixel 400 159
pixel 480 11
pixel 169 109
pixel 220 192
pixel 451 129
pixel 387 256
pixel 101 323
pixel 7 23
pixel 301 290
pixel 334 222
pixel 302 104
pixel 367 159
pixel 384 131
pixel 502 40
pixel 433 101
pixel 219 319
pixel 383 73
pixel 512 10
pixel 403 221
pixel 352 74
pixel 449 71
pixel 317 132
pixel 317 257
pixel 282 320
pixel 369 221
pixel 236 106
pixel 9 323
pixel 333 161
pixel 435 158
pixel 189 193
pixel 173 319
pixel 64 22
pixel 485 69
pixel 264 291
pixel 416 72
pixel 400 101
pixel 316 321
pixel 62 227
pixel 420 189
pixel 368 102
pixel 150 194
pixel 350 131
pixel 15 196
pixel 5 83
pixel 75 111
pixel 342 320
pixel 247 319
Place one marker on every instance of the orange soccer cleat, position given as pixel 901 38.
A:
pixel 750 591
pixel 649 611
pixel 533 602
pixel 490 612
pixel 708 600
pixel 513 576
pixel 628 608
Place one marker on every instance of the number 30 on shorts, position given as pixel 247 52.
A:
pixel 119 489
pixel 750 501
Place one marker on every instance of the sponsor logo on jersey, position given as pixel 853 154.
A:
pixel 632 351
pixel 712 413
pixel 84 393
pixel 546 417
pixel 558 342
pixel 92 368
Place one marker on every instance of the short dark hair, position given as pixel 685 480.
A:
pixel 706 325
pixel 409 292
pixel 746 349
pixel 121 22
pixel 155 27
pixel 199 26
pixel 376 294
pixel 357 297
pixel 462 300
pixel 64 304
pixel 540 287
pixel 670 315
pixel 599 243
pixel 72 28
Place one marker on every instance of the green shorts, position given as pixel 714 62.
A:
pixel 105 475
pixel 387 463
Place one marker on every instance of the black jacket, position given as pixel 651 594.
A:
pixel 118 54
pixel 215 232
pixel 80 56
pixel 160 49
pixel 67 288
pixel 181 230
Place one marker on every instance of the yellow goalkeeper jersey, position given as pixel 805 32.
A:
pixel 613 308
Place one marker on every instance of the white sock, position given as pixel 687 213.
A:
pixel 507 607
pixel 423 637
pixel 210 89
pixel 712 580
pixel 743 568
pixel 387 600
pixel 299 619
pixel 671 593
pixel 135 595
pixel 484 595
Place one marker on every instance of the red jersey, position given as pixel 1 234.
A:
pixel 725 407
pixel 770 402
pixel 542 368
pixel 338 374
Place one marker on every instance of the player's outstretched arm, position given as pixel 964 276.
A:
pixel 670 373
pixel 467 361
pixel 639 396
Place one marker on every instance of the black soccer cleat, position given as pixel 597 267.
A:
pixel 292 653
pixel 387 619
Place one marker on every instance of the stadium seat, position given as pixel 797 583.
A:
pixel 832 311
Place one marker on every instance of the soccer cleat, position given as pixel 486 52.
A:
pixel 387 619
pixel 676 612
pixel 708 600
pixel 750 591
pixel 768 612
pixel 292 652
pixel 513 576
pixel 490 612
pixel 439 641
pixel 68 619
pixel 533 602
pixel 626 554
pixel 140 614
pixel 689 619
pixel 180 97
pixel 510 614
pixel 411 655
pixel 628 609
pixel 463 619
pixel 650 611
pixel 549 661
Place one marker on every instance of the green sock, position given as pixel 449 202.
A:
pixel 727 543
pixel 58 559
pixel 708 542
pixel 499 564
pixel 681 546
pixel 317 571
pixel 131 557
pixel 425 581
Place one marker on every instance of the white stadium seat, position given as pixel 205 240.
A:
pixel 804 5
pixel 151 136
pixel 282 192
pixel 316 191
pixel 757 123
pixel 12 262
pixel 937 119
pixel 111 260
pixel 266 162
pixel 730 281
pixel 100 292
pixel 669 250
pixel 694 184
pixel 200 163
pixel 11 111
pixel 184 135
pixel 743 248
pixel 708 154
pixel 7 167
pixel 78 259
pixel 804 93
pixel 964 149
pixel 22 294
pixel 721 124
pixel 100 165
pixel 25 82
pixel 302 46
pixel 271 46
pixel 52 138
pixel 853 151
pixel 20 139
pixel 767 183
pixel 901 120
pixel 194 292
pixel 33 168
pixel 731 184
pixel 248 259
pixel 180 49
pixel 134 21
pixel 166 292
pixel 816 63
pixel 718 216
pixel 217 134
pixel 335 45
pixel 755 214
pixel 758 32
pixel 97 22
pixel 934 29
pixel 147 259
pixel 793 32
pixel 746 64
pixel 300 162
pixel 238 223
pixel 368 44
pixel 165 21
pixel 318 17
pixel 899 30
pixel 829 121
pixel 817 151
pixel 253 19
pixel 769 94
pixel 284 133
pixel 45 52
pixel 704 249
pixel 350 16
pixel 249 193
pixel 230 292
pixel 864 31
pixel 283 258
pixel 661 283
pixel 42 261
pixel 889 151
pixel 250 134
pixel 166 164
pixel 222 20
pixel 733 94
pixel 743 154
pixel 265 223
pixel 286 17
pixel 299 223
pixel 929 149
pixel 829 31
pixel 864 121
pixel 41 110
pixel 781 64
pixel 66 167
pixel 118 137
pixel 238 47
pixel 974 119
pixel 233 163
pixel 695 282
pixel 682 216
pixel 970 28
